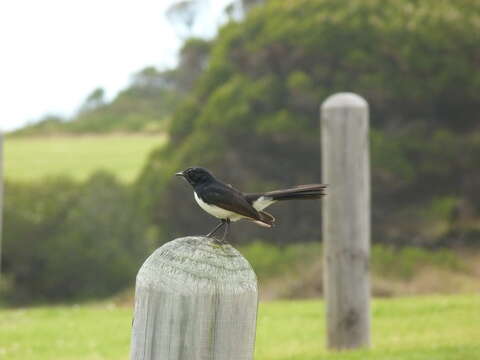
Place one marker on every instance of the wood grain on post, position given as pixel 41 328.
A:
pixel 346 220
pixel 195 300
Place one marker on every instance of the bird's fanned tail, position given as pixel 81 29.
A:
pixel 302 192
pixel 262 200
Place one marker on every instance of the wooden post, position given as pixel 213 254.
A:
pixel 195 300
pixel 1 198
pixel 346 220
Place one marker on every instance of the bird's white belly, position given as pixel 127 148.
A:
pixel 216 211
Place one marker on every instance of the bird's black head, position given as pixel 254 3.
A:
pixel 196 175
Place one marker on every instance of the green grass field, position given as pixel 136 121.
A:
pixel 420 328
pixel 31 158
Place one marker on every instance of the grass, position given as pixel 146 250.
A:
pixel 31 158
pixel 416 328
pixel 430 328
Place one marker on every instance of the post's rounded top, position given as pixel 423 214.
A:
pixel 344 99
pixel 197 264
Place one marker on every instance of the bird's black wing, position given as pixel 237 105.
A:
pixel 230 199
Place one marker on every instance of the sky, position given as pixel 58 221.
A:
pixel 56 52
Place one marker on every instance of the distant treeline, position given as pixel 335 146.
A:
pixel 246 106
pixel 146 105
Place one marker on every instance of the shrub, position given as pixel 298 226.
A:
pixel 269 260
pixel 404 262
pixel 65 240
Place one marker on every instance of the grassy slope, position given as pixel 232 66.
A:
pixel 28 158
pixel 423 328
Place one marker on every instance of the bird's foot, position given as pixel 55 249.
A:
pixel 220 241
pixel 217 242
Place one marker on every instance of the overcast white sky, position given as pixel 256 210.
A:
pixel 55 52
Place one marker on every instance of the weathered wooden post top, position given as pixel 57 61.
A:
pixel 346 220
pixel 195 300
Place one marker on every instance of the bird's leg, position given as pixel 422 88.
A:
pixel 210 234
pixel 227 230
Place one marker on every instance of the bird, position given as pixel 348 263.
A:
pixel 228 204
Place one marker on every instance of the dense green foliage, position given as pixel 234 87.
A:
pixel 76 252
pixel 270 261
pixel 65 240
pixel 423 328
pixel 253 117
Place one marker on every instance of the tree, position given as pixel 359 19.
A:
pixel 95 99
pixel 258 100
pixel 182 15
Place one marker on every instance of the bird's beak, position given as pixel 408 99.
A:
pixel 180 174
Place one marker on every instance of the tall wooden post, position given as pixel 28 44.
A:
pixel 346 220
pixel 1 198
pixel 195 300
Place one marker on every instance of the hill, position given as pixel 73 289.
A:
pixel 33 158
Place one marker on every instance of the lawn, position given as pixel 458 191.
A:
pixel 30 158
pixel 420 328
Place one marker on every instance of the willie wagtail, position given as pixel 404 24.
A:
pixel 228 204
